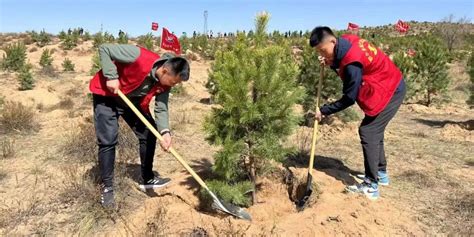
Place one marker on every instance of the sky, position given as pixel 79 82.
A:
pixel 135 16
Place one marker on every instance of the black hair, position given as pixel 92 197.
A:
pixel 179 66
pixel 318 34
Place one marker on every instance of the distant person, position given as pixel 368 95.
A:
pixel 140 74
pixel 372 80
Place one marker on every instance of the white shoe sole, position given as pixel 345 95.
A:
pixel 361 177
pixel 354 192
pixel 152 186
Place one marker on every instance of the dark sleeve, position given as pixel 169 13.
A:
pixel 350 89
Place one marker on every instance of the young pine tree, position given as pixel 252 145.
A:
pixel 257 91
pixel 470 67
pixel 123 39
pixel 86 36
pixel 15 57
pixel 185 42
pixel 309 76
pixel 146 41
pixel 406 65
pixel 62 35
pixel 46 59
pixel 26 79
pixel 70 41
pixel 98 39
pixel 109 37
pixel 68 66
pixel 41 39
pixel 95 64
pixel 431 69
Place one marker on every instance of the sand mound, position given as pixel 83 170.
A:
pixel 422 109
pixel 331 211
pixel 459 131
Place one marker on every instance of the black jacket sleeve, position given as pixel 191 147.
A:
pixel 350 89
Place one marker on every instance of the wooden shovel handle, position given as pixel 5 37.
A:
pixel 316 123
pixel 157 134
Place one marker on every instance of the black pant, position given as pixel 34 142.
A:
pixel 107 111
pixel 371 132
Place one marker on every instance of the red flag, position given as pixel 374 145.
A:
pixel 353 27
pixel 154 26
pixel 169 41
pixel 402 27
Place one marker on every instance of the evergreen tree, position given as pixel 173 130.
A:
pixel 95 64
pixel 123 39
pixel 102 38
pixel 62 35
pixel 15 57
pixel 86 36
pixel 98 39
pixel 406 65
pixel 309 76
pixel 184 42
pixel 68 66
pixel 41 39
pixel 470 67
pixel 109 37
pixel 257 93
pixel 70 41
pixel 26 78
pixel 431 69
pixel 146 41
pixel 46 59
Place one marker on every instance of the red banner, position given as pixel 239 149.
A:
pixel 169 41
pixel 402 27
pixel 154 26
pixel 352 27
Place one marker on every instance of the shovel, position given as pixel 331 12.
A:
pixel 303 202
pixel 217 203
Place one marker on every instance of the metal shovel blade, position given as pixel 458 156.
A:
pixel 229 208
pixel 303 202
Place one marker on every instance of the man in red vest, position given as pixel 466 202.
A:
pixel 141 75
pixel 372 80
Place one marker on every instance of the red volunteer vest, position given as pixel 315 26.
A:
pixel 131 76
pixel 380 76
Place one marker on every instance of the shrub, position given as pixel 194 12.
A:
pixel 15 57
pixel 68 66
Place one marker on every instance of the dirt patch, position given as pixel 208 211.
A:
pixel 458 132
pixel 433 110
pixel 300 189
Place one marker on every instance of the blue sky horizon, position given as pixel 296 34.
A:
pixel 135 17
